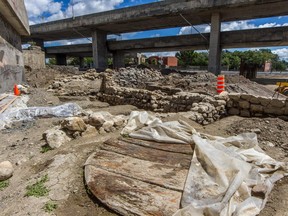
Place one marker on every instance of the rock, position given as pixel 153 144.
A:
pixel 108 125
pixel 90 131
pixel 6 170
pixel 256 108
pixel 245 113
pixel 233 111
pixel 259 191
pixel 256 130
pixel 55 137
pixel 277 103
pixel 119 120
pixel 97 119
pixel 74 124
pixel 244 104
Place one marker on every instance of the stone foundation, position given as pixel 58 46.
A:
pixel 254 106
pixel 202 108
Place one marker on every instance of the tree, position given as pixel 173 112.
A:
pixel 191 58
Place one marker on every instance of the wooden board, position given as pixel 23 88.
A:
pixel 7 104
pixel 128 196
pixel 136 177
pixel 150 154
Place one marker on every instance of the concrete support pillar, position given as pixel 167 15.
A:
pixel 81 62
pixel 99 47
pixel 214 65
pixel 61 59
pixel 118 59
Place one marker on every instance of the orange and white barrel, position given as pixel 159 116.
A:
pixel 220 84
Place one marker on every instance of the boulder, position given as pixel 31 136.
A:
pixel 6 170
pixel 90 131
pixel 97 119
pixel 74 124
pixel 55 137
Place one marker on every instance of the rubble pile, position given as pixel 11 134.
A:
pixel 91 124
pixel 204 109
pixel 136 77
pixel 247 105
pixel 78 85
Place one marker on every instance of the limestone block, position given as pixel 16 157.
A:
pixel 244 104
pixel 245 113
pixel 256 108
pixel 264 101
pixel 55 137
pixel 274 110
pixel 255 100
pixel 74 124
pixel 234 96
pixel 90 131
pixel 277 103
pixel 246 97
pixel 233 111
pixel 229 104
pixel 6 170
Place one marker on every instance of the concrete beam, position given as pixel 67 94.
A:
pixel 214 65
pixel 159 15
pixel 99 48
pixel 265 37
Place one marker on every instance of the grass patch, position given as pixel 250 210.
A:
pixel 50 206
pixel 4 184
pixel 38 189
pixel 45 149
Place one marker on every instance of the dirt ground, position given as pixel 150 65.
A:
pixel 22 144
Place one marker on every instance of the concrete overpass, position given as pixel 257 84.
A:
pixel 264 37
pixel 159 15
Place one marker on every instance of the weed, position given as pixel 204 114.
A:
pixel 4 184
pixel 49 206
pixel 45 149
pixel 38 189
pixel 125 135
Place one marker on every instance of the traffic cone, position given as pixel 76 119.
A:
pixel 16 90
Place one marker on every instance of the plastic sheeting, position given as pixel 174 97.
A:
pixel 228 176
pixel 25 114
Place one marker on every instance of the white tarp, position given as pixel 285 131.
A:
pixel 20 112
pixel 228 176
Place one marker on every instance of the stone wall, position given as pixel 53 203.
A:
pixel 11 59
pixel 249 105
pixel 34 57
pixel 202 108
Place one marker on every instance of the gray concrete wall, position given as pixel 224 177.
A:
pixel 11 59
pixel 15 13
pixel 34 57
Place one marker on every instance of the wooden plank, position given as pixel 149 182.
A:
pixel 2 97
pixel 7 105
pixel 144 153
pixel 179 148
pixel 129 196
pixel 150 172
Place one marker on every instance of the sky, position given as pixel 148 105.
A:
pixel 48 10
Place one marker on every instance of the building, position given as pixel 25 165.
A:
pixel 167 61
pixel 13 25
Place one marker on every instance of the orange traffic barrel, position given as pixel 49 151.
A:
pixel 220 84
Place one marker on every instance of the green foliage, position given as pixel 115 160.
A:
pixel 52 61
pixel 45 149
pixel 191 58
pixel 232 60
pixel 49 207
pixel 4 184
pixel 38 189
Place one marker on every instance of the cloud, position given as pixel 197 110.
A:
pixel 229 26
pixel 282 53
pixel 49 10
